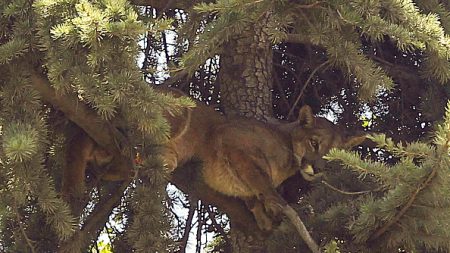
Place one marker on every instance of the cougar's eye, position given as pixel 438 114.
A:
pixel 315 144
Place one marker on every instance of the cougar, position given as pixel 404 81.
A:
pixel 247 158
pixel 241 157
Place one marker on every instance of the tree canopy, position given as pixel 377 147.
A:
pixel 379 66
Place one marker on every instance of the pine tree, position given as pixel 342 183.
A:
pixel 78 57
pixel 409 209
pixel 378 65
pixel 342 34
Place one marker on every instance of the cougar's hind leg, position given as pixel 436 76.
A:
pixel 78 153
pixel 79 149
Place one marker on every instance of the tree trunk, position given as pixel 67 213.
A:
pixel 245 75
pixel 245 79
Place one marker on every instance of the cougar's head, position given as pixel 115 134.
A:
pixel 312 138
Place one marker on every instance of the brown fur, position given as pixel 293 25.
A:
pixel 189 132
pixel 246 158
pixel 82 153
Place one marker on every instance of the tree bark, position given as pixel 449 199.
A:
pixel 245 79
pixel 245 75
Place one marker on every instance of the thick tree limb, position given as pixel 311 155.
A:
pixel 102 132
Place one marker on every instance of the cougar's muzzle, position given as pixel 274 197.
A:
pixel 310 169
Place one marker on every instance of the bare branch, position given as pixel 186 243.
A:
pixel 218 227
pixel 300 227
pixel 188 226
pixel 346 192
pixel 304 87
pixel 200 223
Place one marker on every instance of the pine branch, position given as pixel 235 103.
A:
pixel 12 49
pixel 98 218
pixel 22 230
pixel 406 207
pixel 435 6
pixel 412 150
pixel 110 138
pixel 352 160
pixel 171 4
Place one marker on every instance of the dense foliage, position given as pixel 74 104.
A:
pixel 380 66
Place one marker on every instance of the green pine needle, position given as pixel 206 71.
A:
pixel 20 142
pixel 13 49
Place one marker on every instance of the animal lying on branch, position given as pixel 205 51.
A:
pixel 248 159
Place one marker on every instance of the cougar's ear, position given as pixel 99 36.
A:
pixel 305 116
pixel 354 140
